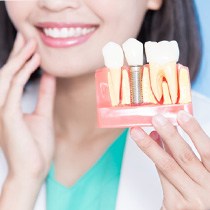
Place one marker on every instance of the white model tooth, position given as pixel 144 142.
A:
pixel 151 51
pixel 166 95
pixel 114 60
pixel 133 50
pixel 113 55
pixel 171 75
pixel 184 85
pixel 162 52
pixel 162 57
pixel 125 89
pixel 147 93
pixel 114 99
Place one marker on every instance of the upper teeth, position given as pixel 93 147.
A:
pixel 133 50
pixel 67 32
pixel 162 52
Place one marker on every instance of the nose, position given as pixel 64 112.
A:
pixel 58 5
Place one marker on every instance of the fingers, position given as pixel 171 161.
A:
pixel 168 189
pixel 164 162
pixel 13 100
pixel 197 135
pixel 180 150
pixel 18 45
pixel 12 67
pixel 45 103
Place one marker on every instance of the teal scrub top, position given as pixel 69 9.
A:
pixel 96 189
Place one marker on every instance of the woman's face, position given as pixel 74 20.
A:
pixel 71 33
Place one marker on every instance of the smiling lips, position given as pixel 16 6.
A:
pixel 60 35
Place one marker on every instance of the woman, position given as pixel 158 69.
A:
pixel 62 128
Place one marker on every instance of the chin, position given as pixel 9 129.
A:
pixel 67 70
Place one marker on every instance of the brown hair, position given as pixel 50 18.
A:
pixel 176 20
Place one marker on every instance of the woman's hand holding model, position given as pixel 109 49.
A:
pixel 184 178
pixel 26 139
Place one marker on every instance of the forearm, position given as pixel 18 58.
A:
pixel 19 194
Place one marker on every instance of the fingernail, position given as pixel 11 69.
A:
pixel 155 136
pixel 184 116
pixel 159 120
pixel 137 134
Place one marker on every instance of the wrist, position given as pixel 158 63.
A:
pixel 24 181
pixel 28 176
pixel 19 193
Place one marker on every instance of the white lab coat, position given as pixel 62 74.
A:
pixel 139 187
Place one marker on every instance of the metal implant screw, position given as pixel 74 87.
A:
pixel 135 84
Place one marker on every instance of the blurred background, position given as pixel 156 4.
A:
pixel 202 83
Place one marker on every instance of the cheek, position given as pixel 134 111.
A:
pixel 73 63
pixel 120 18
pixel 16 12
pixel 19 14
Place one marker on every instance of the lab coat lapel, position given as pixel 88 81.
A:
pixel 41 201
pixel 139 187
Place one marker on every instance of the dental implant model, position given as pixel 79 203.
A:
pixel 130 95
pixel 133 50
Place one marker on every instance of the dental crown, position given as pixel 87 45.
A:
pixel 133 50
pixel 162 52
pixel 113 55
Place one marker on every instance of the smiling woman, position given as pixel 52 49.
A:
pixel 58 142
